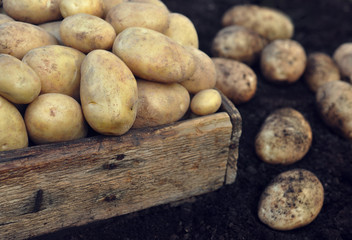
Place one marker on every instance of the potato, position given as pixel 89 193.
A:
pixel 153 56
pixel 204 76
pixel 343 59
pixel 320 70
pixel 268 22
pixel 17 38
pixel 206 102
pixel 283 61
pixel 34 12
pixel 238 43
pixel 109 93
pixel 4 18
pixel 72 7
pixel 182 30
pixel 108 4
pixel 235 79
pixel 160 103
pixel 292 200
pixel 18 82
pixel 58 67
pixel 284 138
pixel 130 14
pixel 13 133
pixel 54 117
pixel 156 2
pixel 334 103
pixel 86 33
pixel 54 29
pixel 342 50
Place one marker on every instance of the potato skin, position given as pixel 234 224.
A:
pixel 54 29
pixel 153 56
pixel 206 102
pixel 72 7
pixel 13 133
pixel 86 33
pixel 17 38
pixel 109 93
pixel 160 103
pixel 343 59
pixel 18 81
pixel 4 18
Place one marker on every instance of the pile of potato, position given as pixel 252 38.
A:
pixel 67 65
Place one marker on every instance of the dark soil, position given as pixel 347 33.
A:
pixel 231 212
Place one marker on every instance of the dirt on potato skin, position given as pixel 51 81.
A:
pixel 231 211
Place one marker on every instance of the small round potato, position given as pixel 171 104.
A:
pixel 206 102
pixel 284 138
pixel 182 30
pixel 334 102
pixel 270 23
pixel 160 103
pixel 58 67
pixel 153 56
pixel 13 133
pixel 283 61
pixel 343 59
pixel 54 29
pixel 54 117
pixel 343 50
pixel 320 70
pixel 235 79
pixel 17 38
pixel 86 33
pixel 34 12
pixel 72 7
pixel 4 18
pixel 18 81
pixel 238 43
pixel 292 200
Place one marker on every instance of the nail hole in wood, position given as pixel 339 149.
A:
pixel 38 201
pixel 120 156
pixel 110 198
pixel 109 166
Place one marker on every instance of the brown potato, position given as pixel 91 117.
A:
pixel 72 7
pixel 54 29
pixel 206 102
pixel 4 18
pixel 238 43
pixel 341 51
pixel 235 79
pixel 343 59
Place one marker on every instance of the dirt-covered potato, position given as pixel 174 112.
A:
pixel 30 11
pixel 4 18
pixel 204 76
pixel 153 56
pixel 320 69
pixel 134 14
pixel 54 29
pixel 284 138
pixel 334 102
pixel 72 7
pixel 293 199
pixel 17 38
pixel 343 59
pixel 108 93
pixel 283 61
pixel 235 79
pixel 13 133
pixel 268 22
pixel 182 30
pixel 206 102
pixel 86 33
pixel 58 67
pixel 238 43
pixel 54 117
pixel 18 82
pixel 160 103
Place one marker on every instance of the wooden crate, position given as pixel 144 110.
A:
pixel 49 187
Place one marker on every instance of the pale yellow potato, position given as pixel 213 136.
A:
pixel 13 132
pixel 156 2
pixel 72 7
pixel 268 22
pixel 131 14
pixel 54 29
pixel 17 38
pixel 108 4
pixel 343 58
pixel 5 18
pixel 182 30
pixel 19 83
pixel 153 56
pixel 204 76
pixel 86 33
pixel 58 67
pixel 206 102
pixel 109 93
pixel 54 117
pixel 34 12
pixel 160 103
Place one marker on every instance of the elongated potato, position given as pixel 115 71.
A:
pixel 17 38
pixel 54 29
pixel 153 56
pixel 18 82
pixel 4 18
pixel 108 93
pixel 13 133
pixel 72 7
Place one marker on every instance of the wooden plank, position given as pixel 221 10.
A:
pixel 50 187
